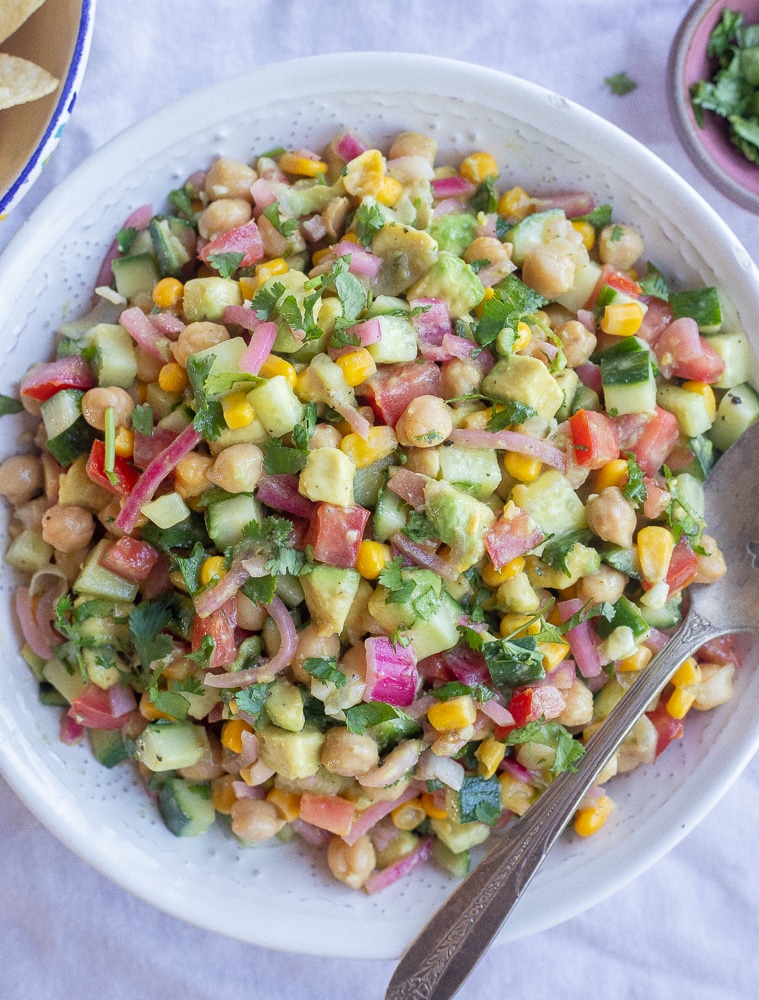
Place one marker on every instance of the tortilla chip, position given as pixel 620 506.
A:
pixel 13 13
pixel 22 81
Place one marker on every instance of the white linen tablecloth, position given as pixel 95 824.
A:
pixel 685 929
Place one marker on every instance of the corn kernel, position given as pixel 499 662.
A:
pixel 231 734
pixel 238 410
pixel 524 468
pixel 274 365
pixel 706 392
pixel 515 204
pixel 211 567
pixel 277 265
pixel 614 473
pixel 408 815
pixel 380 442
pixel 124 443
pixel 687 674
pixel 427 802
pixel 489 753
pixel 679 702
pixel 635 661
pixel 172 377
pixel 586 231
pixel 249 285
pixel 372 558
pixel 516 796
pixel 357 366
pixel 168 293
pixel 516 625
pixel 390 192
pixel 524 336
pixel 495 577
pixel 303 166
pixel 452 714
pixel 288 803
pixel 318 255
pixel 478 167
pixel 590 820
pixel 553 654
pixel 655 546
pixel 622 319
pixel 223 795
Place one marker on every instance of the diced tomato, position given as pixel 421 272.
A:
pixel 130 558
pixel 720 651
pixel 245 239
pixel 680 457
pixel 707 367
pixel 220 625
pixel 99 709
pixel 668 728
pixel 327 812
pixel 657 499
pixel 529 704
pixel 125 475
pixel 506 538
pixel 629 428
pixel 393 387
pixel 681 351
pixel 659 436
pixel 657 318
pixel 158 581
pixel 65 373
pixel 615 279
pixel 336 534
pixel 682 566
pixel 409 486
pixel 594 437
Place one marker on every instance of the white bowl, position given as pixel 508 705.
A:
pixel 57 37
pixel 280 896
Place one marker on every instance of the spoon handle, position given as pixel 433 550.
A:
pixel 449 946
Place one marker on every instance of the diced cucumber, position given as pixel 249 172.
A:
pixel 392 731
pixel 629 382
pixel 666 616
pixel 168 746
pixel 459 837
pixel 276 406
pixel 390 514
pixel 585 399
pixel 160 401
pixel 186 807
pixel 585 280
pixel 690 409
pixel 476 792
pixel 531 232
pixel 115 361
pixel 692 491
pixel 68 682
pixel 569 382
pixel 737 410
pixel 227 519
pixel 703 456
pixel 97 581
pixel 207 298
pixel 439 632
pixel 459 864
pixel 701 304
pixel 289 590
pixel 623 559
pixel 170 252
pixel 391 614
pixel 28 552
pixel 626 614
pixel 135 274
pixel 166 510
pixel 369 481
pixel 474 470
pixel 225 356
pixel 608 295
pixel 50 697
pixel 108 746
pixel 734 350
pixel 398 341
pixel 68 433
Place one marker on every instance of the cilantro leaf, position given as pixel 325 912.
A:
pixel 146 625
pixel 524 734
pixel 390 576
pixel 419 528
pixel 226 263
pixel 514 662
pixel 273 537
pixel 485 198
pixel 9 405
pixel 472 637
pixel 620 84
pixel 557 549
pixel 125 239
pixel 455 689
pixel 209 416
pixel 260 589
pixel 514 301
pixel 361 717
pixel 142 419
pixel 189 567
pixel 181 199
pixel 280 460
pixel 325 669
pixel 653 283
pixel 205 652
pixel 173 703
pixel 598 218
pixel 251 699
pixel 286 227
pixel 369 219
pixel 508 414
pixel 634 489
pixel 568 752
pixel 266 298
pixel 304 431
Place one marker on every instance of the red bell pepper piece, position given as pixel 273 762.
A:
pixel 125 474
pixel 529 704
pixel 594 437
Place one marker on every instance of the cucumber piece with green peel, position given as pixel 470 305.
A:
pixel 186 807
pixel 700 304
pixel 169 746
pixel 135 274
pixel 390 514
pixel 531 232
pixel 690 409
pixel 226 520
pixel 734 350
pixel 68 433
pixel 737 410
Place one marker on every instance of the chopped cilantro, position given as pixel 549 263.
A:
pixel 485 198
pixel 273 537
pixel 620 84
pixel 189 567
pixel 266 298
pixel 360 717
pixel 598 218
pixel 205 652
pixel 209 416
pixel 181 200
pixel 142 419
pixel 279 460
pixel 419 528
pixel 369 220
pixel 455 689
pixel 568 752
pixel 146 625
pixel 325 669
pixel 653 283
pixel 523 734
pixel 634 489
pixel 251 699
pixel 260 589
pixel 9 405
pixel 286 227
pixel 514 662
pixel 557 550
pixel 508 414
pixel 125 239
pixel 304 431
pixel 226 263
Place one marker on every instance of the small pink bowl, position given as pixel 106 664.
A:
pixel 709 147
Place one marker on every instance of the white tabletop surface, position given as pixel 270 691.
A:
pixel 685 929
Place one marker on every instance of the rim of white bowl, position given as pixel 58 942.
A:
pixel 61 113
pixel 448 79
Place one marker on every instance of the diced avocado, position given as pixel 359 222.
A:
pixel 581 560
pixel 522 379
pixel 186 807
pixel 207 298
pixel 459 837
pixel 734 350
pixel 454 232
pixel 168 746
pixel 292 755
pixel 531 232
pixel 439 631
pixel 517 594
pixel 552 503
pixel 134 274
pixel 28 551
pixel 450 278
pixel 397 343
pixel 459 520
pixel 585 280
pixel 407 254
pixel 330 591
pixel 284 706
pixel 276 406
pixel 737 410
pixel 568 381
pixel 474 470
pixel 328 477
pixel 115 360
pixel 101 668
pixel 254 433
pixel 97 581
pixel 689 408
pixel 227 519
pixel 391 614
pixel 308 199
pixel 390 514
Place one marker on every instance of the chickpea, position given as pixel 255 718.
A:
pixel 487 248
pixel 30 514
pixel 348 753
pixel 352 864
pixel 413 144
pixel 611 516
pixel 148 367
pixel 619 245
pixel 207 767
pixel 68 527
pixel 606 584
pixel 547 271
pixel 190 474
pixel 578 705
pixel 458 377
pixel 716 686
pixel 311 644
pixel 237 469
pixel 250 616
pixel 196 337
pixel 325 436
pixel 70 563
pixel 255 820
pixel 424 460
pixel 222 215
pixel 427 421
pixel 711 566
pixel 577 342
pixel 21 478
pixel 96 401
pixel 229 178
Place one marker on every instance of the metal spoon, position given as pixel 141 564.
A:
pixel 447 949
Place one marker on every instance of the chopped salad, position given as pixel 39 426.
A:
pixel 363 493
